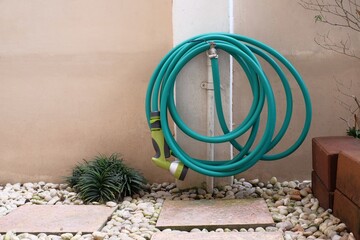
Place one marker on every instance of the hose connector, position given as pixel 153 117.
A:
pixel 162 150
pixel 212 53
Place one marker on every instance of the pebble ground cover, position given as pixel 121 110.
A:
pixel 295 210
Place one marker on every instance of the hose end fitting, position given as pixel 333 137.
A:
pixel 212 51
pixel 179 170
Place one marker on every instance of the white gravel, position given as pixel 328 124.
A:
pixel 293 207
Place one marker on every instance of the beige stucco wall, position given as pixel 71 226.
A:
pixel 73 76
pixel 290 29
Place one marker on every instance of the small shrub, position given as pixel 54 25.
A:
pixel 352 131
pixel 76 173
pixel 105 179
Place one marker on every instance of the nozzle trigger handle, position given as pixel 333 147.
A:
pixel 156 148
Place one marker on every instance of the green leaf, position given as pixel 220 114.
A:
pixel 318 18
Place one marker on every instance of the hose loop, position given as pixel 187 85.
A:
pixel 246 52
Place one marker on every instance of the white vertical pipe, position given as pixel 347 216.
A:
pixel 231 76
pixel 210 104
pixel 210 148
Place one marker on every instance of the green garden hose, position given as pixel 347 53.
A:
pixel 160 101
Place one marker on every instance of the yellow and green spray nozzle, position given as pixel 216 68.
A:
pixel 177 168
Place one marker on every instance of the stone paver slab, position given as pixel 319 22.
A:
pixel 218 236
pixel 212 214
pixel 56 218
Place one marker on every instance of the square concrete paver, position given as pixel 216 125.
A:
pixel 212 214
pixel 218 236
pixel 56 218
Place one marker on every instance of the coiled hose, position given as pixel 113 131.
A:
pixel 160 101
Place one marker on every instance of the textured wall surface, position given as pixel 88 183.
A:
pixel 73 77
pixel 291 30
pixel 73 82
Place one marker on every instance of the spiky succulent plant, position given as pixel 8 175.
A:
pixel 105 179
